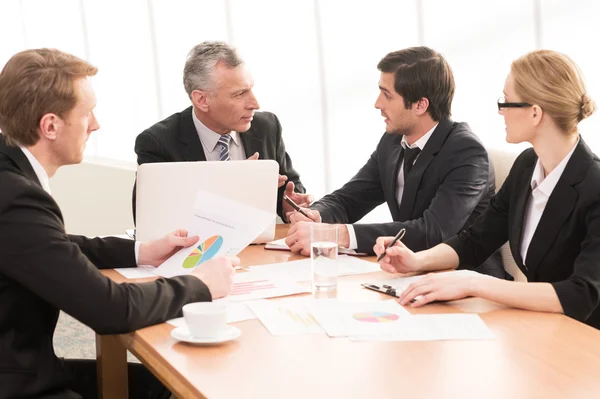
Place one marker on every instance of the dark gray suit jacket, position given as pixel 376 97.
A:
pixel 449 185
pixel 175 139
pixel 44 270
pixel 565 247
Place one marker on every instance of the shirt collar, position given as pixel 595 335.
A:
pixel 210 138
pixel 546 184
pixel 419 143
pixel 39 170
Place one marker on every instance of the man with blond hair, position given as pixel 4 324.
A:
pixel 46 116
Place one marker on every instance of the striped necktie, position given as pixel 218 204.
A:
pixel 224 143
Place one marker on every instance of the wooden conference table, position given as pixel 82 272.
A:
pixel 535 355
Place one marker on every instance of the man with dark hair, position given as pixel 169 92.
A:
pixel 46 116
pixel 434 173
pixel 222 123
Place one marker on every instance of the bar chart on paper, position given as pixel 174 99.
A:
pixel 247 288
pixel 285 317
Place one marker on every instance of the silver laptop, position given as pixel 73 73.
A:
pixel 166 192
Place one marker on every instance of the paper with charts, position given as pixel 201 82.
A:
pixel 286 316
pixel 436 327
pixel 339 318
pixel 300 270
pixel 224 226
pixel 248 286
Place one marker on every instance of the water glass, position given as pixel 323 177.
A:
pixel 323 256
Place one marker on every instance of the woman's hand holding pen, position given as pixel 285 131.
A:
pixel 398 258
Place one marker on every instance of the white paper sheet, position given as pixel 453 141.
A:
pixel 300 270
pixel 286 316
pixel 435 327
pixel 137 272
pixel 224 226
pixel 282 246
pixel 236 312
pixel 248 286
pixel 339 318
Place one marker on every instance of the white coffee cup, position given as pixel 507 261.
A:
pixel 205 319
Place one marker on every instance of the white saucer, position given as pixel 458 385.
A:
pixel 183 334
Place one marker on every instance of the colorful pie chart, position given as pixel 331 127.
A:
pixel 203 252
pixel 375 317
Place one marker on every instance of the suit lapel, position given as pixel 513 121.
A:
pixel 560 206
pixel 251 144
pixel 520 209
pixel 191 147
pixel 411 185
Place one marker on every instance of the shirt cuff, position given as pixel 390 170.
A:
pixel 137 252
pixel 352 237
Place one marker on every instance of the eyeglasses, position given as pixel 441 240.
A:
pixel 502 103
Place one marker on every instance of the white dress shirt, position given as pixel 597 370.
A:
pixel 400 179
pixel 39 170
pixel 541 188
pixel 42 176
pixel 210 139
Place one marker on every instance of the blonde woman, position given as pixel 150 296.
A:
pixel 548 208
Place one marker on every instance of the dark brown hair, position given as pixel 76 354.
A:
pixel 421 72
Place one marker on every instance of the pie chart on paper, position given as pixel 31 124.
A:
pixel 375 317
pixel 205 251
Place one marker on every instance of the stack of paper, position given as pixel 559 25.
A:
pixel 300 270
pixel 282 246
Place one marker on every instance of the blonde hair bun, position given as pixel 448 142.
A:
pixel 587 108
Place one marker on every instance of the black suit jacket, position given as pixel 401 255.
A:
pixel 175 139
pixel 42 270
pixel 565 248
pixel 449 185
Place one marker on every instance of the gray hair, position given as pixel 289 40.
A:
pixel 201 62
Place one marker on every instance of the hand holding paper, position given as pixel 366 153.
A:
pixel 224 226
pixel 217 274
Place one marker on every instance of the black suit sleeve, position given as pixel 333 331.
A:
pixel 285 166
pixel 464 184
pixel 38 255
pixel 579 295
pixel 107 252
pixel 490 231
pixel 356 198
pixel 148 150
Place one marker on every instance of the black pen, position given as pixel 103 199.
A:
pixel 295 206
pixel 385 289
pixel 391 244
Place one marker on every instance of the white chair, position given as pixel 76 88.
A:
pixel 95 197
pixel 503 160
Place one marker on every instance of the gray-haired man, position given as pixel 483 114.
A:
pixel 222 123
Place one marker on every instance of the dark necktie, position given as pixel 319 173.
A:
pixel 410 154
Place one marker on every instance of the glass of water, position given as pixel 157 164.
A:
pixel 323 256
